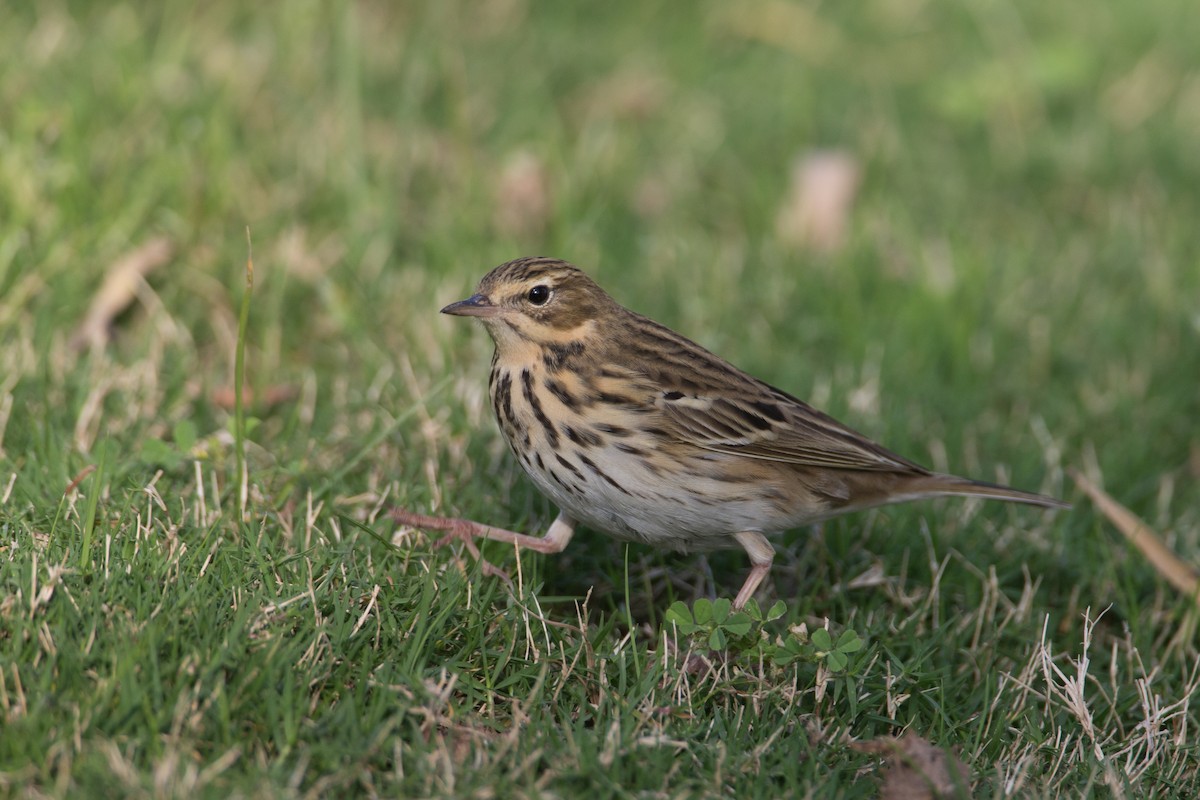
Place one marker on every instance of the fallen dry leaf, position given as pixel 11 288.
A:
pixel 1178 573
pixel 816 212
pixel 119 289
pixel 914 769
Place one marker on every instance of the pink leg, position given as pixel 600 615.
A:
pixel 761 555
pixel 466 531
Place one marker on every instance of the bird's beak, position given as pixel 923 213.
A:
pixel 474 306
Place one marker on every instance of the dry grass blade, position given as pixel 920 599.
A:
pixel 78 479
pixel 1178 573
pixel 119 290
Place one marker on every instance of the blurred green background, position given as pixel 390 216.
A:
pixel 1016 290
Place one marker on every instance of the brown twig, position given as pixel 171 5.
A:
pixel 1177 572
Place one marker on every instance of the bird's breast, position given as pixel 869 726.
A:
pixel 600 452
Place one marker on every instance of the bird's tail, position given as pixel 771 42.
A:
pixel 936 485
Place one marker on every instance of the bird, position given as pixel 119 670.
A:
pixel 633 430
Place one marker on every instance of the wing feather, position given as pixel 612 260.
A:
pixel 705 401
pixel 773 425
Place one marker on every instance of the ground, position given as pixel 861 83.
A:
pixel 1009 292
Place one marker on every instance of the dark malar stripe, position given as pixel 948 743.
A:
pixel 520 333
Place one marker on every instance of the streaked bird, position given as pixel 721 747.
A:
pixel 633 430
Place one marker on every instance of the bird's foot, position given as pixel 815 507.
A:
pixel 462 530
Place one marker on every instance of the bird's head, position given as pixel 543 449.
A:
pixel 536 301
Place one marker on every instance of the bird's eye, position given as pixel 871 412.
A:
pixel 539 295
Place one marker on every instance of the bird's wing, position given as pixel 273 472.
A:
pixel 705 401
pixel 773 425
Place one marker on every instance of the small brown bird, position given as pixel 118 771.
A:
pixel 636 431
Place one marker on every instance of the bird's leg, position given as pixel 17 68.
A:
pixel 465 530
pixel 761 555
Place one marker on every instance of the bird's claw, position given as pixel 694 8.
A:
pixel 456 530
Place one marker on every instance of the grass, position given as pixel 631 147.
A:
pixel 1018 294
